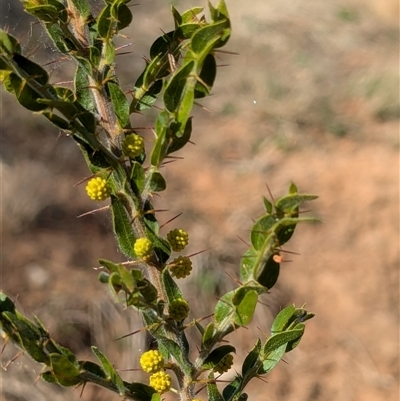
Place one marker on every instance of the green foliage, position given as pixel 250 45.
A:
pixel 181 69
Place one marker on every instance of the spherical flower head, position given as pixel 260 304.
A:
pixel 178 309
pixel 161 382
pixel 133 145
pixel 180 267
pixel 224 364
pixel 98 189
pixel 143 248
pixel 152 361
pixel 178 239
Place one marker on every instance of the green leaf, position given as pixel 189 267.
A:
pixel 232 390
pixel 271 360
pixel 25 95
pixel 83 93
pixel 123 16
pixel 290 202
pixel 180 88
pixel 93 369
pixel 137 177
pixel 268 205
pixel 206 38
pixel 163 45
pixel 160 245
pixel 178 141
pixel 208 336
pixel 59 122
pixel 172 290
pixel 6 304
pixel 282 319
pixel 9 44
pixel 48 377
pixel 261 230
pixel 157 182
pixel 104 22
pixel 120 103
pixel 64 371
pixel 47 13
pixel 245 300
pixel 269 272
pixel 191 15
pixel 178 353
pixel 94 159
pixel 110 371
pixel 161 144
pixel 29 336
pixel 252 358
pixel 224 309
pixel 293 344
pixel 186 31
pixel 207 77
pixel 142 392
pixel 247 265
pixel 216 356
pixel 279 339
pixel 83 7
pixel 212 390
pixel 122 227
pixel 115 284
pixel 177 16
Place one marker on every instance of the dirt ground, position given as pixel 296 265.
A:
pixel 313 98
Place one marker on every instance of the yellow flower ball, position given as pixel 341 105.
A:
pixel 178 310
pixel 143 248
pixel 133 145
pixel 224 364
pixel 151 361
pixel 161 382
pixel 98 189
pixel 178 239
pixel 180 267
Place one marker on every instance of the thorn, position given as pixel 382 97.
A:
pixel 262 331
pixel 233 278
pixel 264 304
pixel 291 252
pixel 130 334
pixel 244 242
pixel 128 370
pixel 100 209
pixel 63 82
pixel 197 253
pixel 270 193
pixel 202 107
pixel 12 360
pixel 169 221
pixel 123 53
pixel 6 340
pixel 123 46
pixel 163 164
pixel 154 211
pixel 262 379
pixel 226 52
pixel 55 61
pixel 83 388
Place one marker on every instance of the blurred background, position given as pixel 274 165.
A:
pixel 312 97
